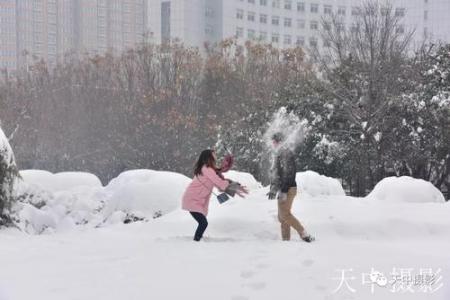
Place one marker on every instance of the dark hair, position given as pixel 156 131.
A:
pixel 278 137
pixel 205 158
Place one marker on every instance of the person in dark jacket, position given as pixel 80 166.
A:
pixel 284 188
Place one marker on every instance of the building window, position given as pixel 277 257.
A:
pixel 301 24
pixel 209 12
pixel 239 32
pixel 301 6
pixel 326 43
pixel 400 29
pixel 263 36
pixel 209 29
pixel 251 34
pixel 313 42
pixel 287 22
pixel 275 21
pixel 288 4
pixel 425 15
pixel 263 2
pixel 276 3
pixel 275 38
pixel 300 41
pixel 326 26
pixel 314 25
pixel 251 1
pixel 314 8
pixel 355 11
pixel 327 9
pixel 341 10
pixel 251 16
pixel 287 39
pixel 263 18
pixel 240 14
pixel 400 12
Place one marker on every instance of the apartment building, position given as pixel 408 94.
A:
pixel 47 29
pixel 281 22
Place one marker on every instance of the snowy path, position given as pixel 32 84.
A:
pixel 243 259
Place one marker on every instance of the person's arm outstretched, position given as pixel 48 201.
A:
pixel 218 182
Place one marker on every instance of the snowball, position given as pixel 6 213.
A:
pixel 314 184
pixel 406 189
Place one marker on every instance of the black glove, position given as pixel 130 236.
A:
pixel 272 195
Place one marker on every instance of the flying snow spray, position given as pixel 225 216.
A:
pixel 290 127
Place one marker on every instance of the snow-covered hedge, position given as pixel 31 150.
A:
pixel 145 193
pixel 53 202
pixel 406 189
pixel 60 181
pixel 314 184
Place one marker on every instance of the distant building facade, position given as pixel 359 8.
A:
pixel 285 23
pixel 47 29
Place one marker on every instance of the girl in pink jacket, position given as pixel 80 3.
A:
pixel 196 197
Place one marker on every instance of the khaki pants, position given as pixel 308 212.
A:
pixel 286 218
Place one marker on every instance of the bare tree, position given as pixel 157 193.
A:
pixel 364 68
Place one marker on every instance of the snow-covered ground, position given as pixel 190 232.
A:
pixel 242 257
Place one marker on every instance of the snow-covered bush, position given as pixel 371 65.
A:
pixel 144 194
pixel 406 189
pixel 53 202
pixel 60 181
pixel 314 184
pixel 8 175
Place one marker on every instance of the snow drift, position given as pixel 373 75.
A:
pixel 314 184
pixel 60 181
pixel 242 247
pixel 145 192
pixel 406 189
pixel 58 202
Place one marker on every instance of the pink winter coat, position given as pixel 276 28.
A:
pixel 196 197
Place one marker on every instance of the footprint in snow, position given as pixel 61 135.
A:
pixel 256 285
pixel 239 298
pixel 262 266
pixel 308 263
pixel 321 288
pixel 247 274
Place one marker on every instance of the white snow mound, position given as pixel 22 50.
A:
pixel 63 181
pixel 314 184
pixel 59 202
pixel 5 149
pixel 145 192
pixel 406 189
